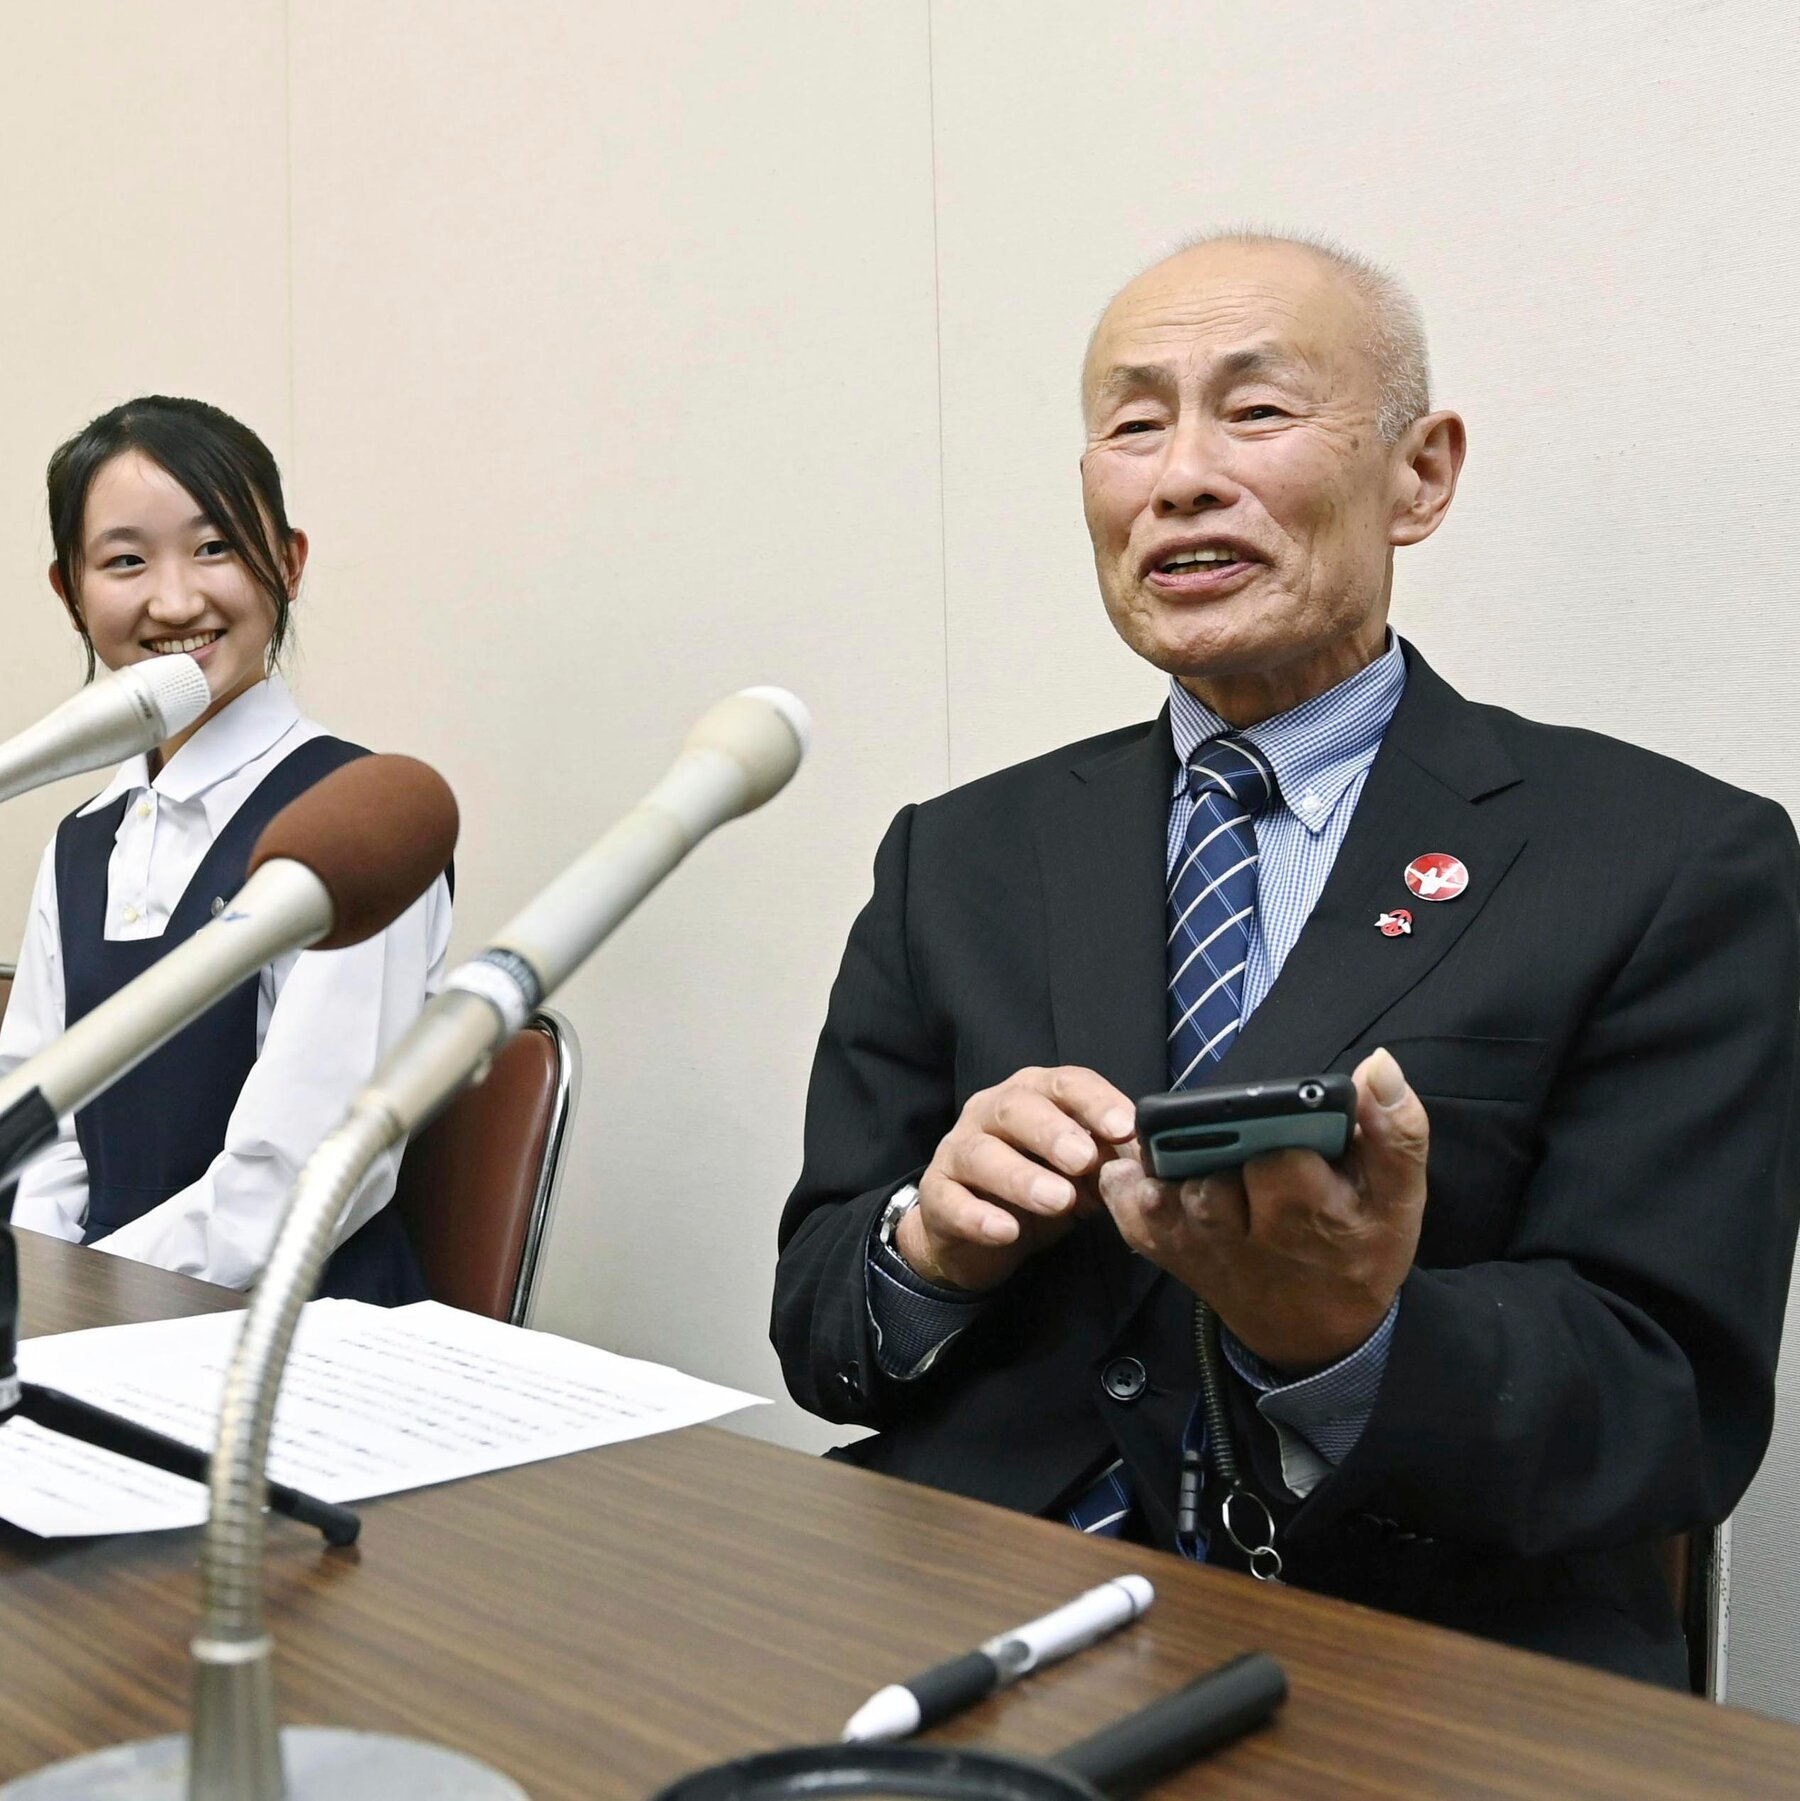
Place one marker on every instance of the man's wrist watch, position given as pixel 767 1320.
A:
pixel 900 1203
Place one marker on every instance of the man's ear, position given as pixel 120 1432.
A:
pixel 1431 456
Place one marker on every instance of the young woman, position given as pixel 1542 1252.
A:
pixel 171 535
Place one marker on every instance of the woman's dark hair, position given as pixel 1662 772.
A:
pixel 224 465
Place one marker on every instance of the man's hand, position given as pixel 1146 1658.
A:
pixel 1013 1174
pixel 1300 1258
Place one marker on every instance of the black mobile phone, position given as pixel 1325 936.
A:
pixel 1197 1130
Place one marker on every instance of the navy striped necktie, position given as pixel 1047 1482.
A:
pixel 1212 904
pixel 1212 910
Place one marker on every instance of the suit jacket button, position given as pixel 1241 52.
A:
pixel 1124 1379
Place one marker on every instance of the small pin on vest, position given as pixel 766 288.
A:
pixel 1395 924
pixel 1437 876
pixel 218 905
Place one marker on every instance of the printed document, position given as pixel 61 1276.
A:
pixel 374 1400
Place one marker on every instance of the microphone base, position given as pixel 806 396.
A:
pixel 323 1763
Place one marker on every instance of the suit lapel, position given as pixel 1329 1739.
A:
pixel 1438 762
pixel 1100 846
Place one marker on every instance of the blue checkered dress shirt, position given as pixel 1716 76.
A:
pixel 1321 752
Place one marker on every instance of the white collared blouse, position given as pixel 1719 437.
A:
pixel 324 1019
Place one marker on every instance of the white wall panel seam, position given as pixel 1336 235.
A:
pixel 937 327
pixel 287 204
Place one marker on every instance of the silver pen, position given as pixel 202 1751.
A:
pixel 936 1694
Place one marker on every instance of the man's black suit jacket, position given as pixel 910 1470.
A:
pixel 1603 1031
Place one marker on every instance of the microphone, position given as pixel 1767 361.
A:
pixel 131 710
pixel 738 755
pixel 335 866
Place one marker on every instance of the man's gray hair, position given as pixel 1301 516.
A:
pixel 1396 326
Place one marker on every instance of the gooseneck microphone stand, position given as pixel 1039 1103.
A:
pixel 737 756
pixel 236 1751
pixel 73 1418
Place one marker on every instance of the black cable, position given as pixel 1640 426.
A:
pixel 1265 1559
pixel 1212 1394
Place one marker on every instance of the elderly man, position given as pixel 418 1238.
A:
pixel 1526 1327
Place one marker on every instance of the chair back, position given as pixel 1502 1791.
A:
pixel 477 1186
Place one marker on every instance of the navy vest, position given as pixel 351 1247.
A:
pixel 158 1129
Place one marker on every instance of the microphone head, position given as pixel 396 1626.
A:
pixel 765 731
pixel 377 832
pixel 791 707
pixel 172 688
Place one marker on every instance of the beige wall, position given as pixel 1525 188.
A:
pixel 620 356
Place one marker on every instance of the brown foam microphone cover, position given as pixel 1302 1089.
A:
pixel 377 832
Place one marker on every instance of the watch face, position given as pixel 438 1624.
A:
pixel 899 1205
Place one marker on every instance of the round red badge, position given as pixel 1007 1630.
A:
pixel 1395 924
pixel 1437 876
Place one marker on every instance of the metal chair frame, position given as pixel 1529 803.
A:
pixel 550 1168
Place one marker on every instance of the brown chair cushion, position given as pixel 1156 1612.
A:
pixel 469 1180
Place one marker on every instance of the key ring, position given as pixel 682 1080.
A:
pixel 1265 1560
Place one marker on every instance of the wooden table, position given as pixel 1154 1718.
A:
pixel 596 1625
